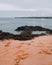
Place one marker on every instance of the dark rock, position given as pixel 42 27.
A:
pixel 0 31
pixel 26 33
pixel 6 35
pixel 33 28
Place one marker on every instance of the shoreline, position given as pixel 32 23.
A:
pixel 25 48
pixel 26 33
pixel 7 35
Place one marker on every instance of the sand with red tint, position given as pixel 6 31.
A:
pixel 37 51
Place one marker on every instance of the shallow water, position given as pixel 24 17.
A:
pixel 10 24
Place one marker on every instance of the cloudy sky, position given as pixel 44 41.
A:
pixel 25 8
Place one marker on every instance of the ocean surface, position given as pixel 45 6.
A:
pixel 10 24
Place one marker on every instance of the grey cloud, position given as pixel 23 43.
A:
pixel 30 3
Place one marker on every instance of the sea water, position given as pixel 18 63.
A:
pixel 10 24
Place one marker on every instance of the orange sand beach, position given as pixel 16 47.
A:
pixel 37 51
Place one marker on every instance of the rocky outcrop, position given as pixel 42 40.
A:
pixel 34 28
pixel 5 35
pixel 26 33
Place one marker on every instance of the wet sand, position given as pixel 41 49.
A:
pixel 37 51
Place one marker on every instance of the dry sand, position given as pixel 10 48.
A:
pixel 37 51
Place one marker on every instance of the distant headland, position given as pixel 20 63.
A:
pixel 36 17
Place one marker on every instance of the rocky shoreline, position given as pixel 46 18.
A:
pixel 26 33
pixel 33 28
